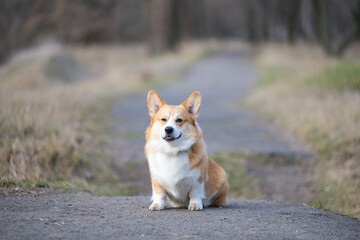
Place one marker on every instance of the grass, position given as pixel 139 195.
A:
pixel 113 190
pixel 56 101
pixel 11 185
pixel 320 205
pixel 270 75
pixel 273 158
pixel 241 185
pixel 318 101
pixel 342 76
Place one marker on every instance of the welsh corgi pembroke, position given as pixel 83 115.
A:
pixel 180 168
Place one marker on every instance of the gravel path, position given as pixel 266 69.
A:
pixel 83 216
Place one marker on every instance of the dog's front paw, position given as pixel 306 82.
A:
pixel 156 207
pixel 195 207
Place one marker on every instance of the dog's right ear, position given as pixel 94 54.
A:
pixel 154 102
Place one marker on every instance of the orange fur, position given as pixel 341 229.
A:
pixel 208 173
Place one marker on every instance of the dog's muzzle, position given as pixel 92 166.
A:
pixel 168 136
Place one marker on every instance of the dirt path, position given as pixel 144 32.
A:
pixel 223 79
pixel 83 216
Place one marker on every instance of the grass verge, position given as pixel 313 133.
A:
pixel 316 99
pixel 241 184
pixel 55 101
pixel 10 186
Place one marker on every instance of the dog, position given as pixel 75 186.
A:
pixel 180 168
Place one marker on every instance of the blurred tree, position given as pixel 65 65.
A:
pixel 158 10
pixel 355 28
pixel 174 28
pixel 328 21
pixel 192 19
pixel 322 24
pixel 162 24
pixel 173 20
pixel 292 18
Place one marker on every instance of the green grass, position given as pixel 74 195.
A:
pixel 241 185
pixel 320 107
pixel 320 205
pixel 342 76
pixel 339 196
pixel 9 184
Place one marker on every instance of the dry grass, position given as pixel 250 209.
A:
pixel 53 99
pixel 241 185
pixel 296 97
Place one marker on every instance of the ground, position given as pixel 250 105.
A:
pixel 84 216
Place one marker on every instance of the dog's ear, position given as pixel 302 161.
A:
pixel 154 102
pixel 192 104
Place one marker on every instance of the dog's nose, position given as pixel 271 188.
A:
pixel 169 130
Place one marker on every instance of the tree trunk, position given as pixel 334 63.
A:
pixel 292 19
pixel 173 37
pixel 355 30
pixel 164 25
pixel 158 25
pixel 322 27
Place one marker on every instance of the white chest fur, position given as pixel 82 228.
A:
pixel 174 173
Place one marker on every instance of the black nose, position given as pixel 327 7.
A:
pixel 169 130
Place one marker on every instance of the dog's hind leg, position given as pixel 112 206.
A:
pixel 220 199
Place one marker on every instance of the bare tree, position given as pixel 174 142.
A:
pixel 162 24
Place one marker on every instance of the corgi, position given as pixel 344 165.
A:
pixel 180 168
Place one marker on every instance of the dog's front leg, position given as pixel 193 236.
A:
pixel 158 196
pixel 196 195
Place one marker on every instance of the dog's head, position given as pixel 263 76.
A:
pixel 173 126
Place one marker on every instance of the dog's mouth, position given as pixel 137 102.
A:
pixel 170 138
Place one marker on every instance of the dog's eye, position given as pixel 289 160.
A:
pixel 179 120
pixel 163 119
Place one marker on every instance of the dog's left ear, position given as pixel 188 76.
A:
pixel 192 104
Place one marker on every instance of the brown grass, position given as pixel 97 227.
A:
pixel 53 99
pixel 328 119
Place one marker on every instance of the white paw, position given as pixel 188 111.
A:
pixel 156 207
pixel 195 207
